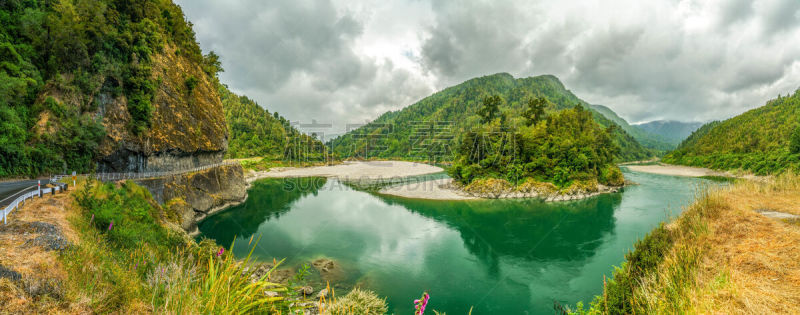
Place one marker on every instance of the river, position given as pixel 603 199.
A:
pixel 497 256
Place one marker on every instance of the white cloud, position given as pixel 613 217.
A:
pixel 346 61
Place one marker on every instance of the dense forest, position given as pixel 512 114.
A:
pixel 765 140
pixel 559 148
pixel 427 129
pixel 254 132
pixel 74 49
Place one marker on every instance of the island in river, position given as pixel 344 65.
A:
pixel 391 174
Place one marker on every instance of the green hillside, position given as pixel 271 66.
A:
pixel 647 139
pixel 255 132
pixel 429 128
pixel 764 140
pixel 673 132
pixel 73 72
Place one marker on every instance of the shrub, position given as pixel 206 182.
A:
pixel 643 260
pixel 127 215
pixel 794 141
pixel 359 302
pixel 191 82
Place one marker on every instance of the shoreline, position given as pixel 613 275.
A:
pixel 444 189
pixel 677 170
pixel 367 170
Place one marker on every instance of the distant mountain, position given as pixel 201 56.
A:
pixel 647 139
pixel 672 131
pixel 407 132
pixel 765 140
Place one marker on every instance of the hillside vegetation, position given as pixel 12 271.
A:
pixel 765 140
pixel 565 147
pixel 255 132
pixel 65 63
pixel 427 129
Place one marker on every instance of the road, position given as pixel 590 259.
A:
pixel 14 188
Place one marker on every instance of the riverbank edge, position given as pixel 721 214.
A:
pixel 733 250
pixel 450 188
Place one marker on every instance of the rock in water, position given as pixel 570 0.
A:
pixel 307 290
pixel 323 264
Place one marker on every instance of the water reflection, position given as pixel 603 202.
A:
pixel 266 200
pixel 500 256
pixel 526 229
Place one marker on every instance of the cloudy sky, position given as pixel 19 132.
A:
pixel 347 61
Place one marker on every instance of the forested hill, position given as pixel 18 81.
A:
pixel 255 132
pixel 106 85
pixel 434 122
pixel 674 132
pixel 647 139
pixel 765 140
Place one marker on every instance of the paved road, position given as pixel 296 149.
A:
pixel 14 188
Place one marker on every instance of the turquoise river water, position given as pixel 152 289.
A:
pixel 497 256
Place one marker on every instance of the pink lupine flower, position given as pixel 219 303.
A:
pixel 421 304
pixel 221 250
pixel 110 225
pixel 92 219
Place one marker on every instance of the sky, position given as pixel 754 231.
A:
pixel 348 61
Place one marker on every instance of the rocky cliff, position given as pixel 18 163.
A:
pixel 192 197
pixel 188 125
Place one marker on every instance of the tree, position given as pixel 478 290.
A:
pixel 794 141
pixel 491 105
pixel 535 111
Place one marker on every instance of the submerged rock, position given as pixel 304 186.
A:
pixel 323 264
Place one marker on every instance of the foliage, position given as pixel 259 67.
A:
pixel 491 105
pixel 536 110
pixel 794 141
pixel 57 56
pixel 254 132
pixel 429 128
pixel 124 215
pixel 643 260
pixel 759 141
pixel 566 146
pixel 358 302
pixel 140 265
pixel 190 83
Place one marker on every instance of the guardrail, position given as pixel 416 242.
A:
pixel 135 175
pixel 20 201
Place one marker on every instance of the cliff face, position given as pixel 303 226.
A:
pixel 188 126
pixel 194 196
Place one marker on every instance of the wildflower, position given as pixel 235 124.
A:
pixel 110 225
pixel 221 250
pixel 421 304
pixel 92 219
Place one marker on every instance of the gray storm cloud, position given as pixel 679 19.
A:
pixel 349 61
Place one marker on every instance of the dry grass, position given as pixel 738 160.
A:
pixel 761 256
pixel 33 262
pixel 728 258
